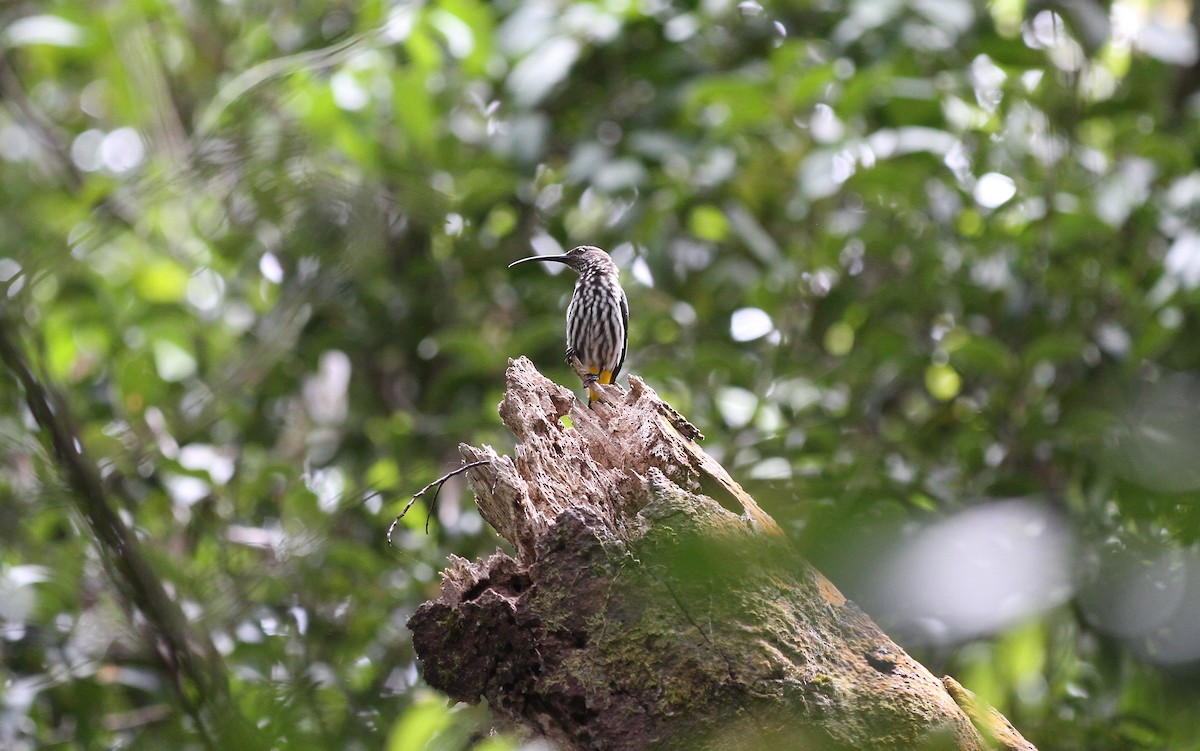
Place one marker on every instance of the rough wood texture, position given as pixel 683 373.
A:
pixel 652 604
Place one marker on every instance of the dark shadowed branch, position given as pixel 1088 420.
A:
pixel 188 657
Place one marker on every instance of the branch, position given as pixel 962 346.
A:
pixel 188 657
pixel 651 603
pixel 993 725
pixel 439 483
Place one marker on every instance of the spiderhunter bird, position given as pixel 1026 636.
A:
pixel 598 316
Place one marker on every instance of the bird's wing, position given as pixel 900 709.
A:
pixel 624 332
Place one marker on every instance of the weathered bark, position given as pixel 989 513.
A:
pixel 652 604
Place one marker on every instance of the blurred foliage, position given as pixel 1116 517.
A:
pixel 894 259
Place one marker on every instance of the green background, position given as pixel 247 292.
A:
pixel 896 260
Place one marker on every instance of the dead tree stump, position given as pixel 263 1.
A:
pixel 651 604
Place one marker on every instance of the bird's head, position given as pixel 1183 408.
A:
pixel 582 258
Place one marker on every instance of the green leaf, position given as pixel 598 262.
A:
pixel 839 339
pixel 942 382
pixel 419 724
pixel 161 281
pixel 708 222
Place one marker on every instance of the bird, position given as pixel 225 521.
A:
pixel 597 317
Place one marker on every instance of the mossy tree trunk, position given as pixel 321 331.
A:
pixel 651 603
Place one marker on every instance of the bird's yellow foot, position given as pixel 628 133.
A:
pixel 589 381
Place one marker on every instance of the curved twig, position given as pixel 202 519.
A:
pixel 439 483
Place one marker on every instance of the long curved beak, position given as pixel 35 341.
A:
pixel 558 259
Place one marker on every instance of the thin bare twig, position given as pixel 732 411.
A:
pixel 439 483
